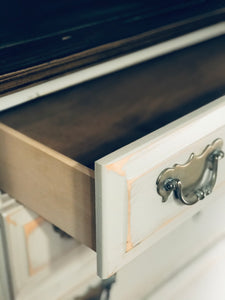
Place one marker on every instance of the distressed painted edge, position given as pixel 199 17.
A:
pixel 113 175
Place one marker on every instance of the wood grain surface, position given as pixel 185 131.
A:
pixel 54 186
pixel 45 42
pixel 95 118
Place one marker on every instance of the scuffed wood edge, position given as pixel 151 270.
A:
pixel 54 186
pixel 111 220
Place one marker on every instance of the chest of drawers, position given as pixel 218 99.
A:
pixel 110 117
pixel 49 148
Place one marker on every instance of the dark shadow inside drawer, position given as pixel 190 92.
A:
pixel 91 120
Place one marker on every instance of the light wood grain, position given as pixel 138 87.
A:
pixel 56 187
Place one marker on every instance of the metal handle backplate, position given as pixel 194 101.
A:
pixel 195 179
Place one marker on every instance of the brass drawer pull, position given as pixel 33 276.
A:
pixel 195 179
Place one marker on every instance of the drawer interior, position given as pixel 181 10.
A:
pixel 91 120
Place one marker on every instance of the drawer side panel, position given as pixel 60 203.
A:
pixel 54 186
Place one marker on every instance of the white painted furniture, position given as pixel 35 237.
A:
pixel 126 186
pixel 130 216
pixel 40 272
pixel 36 262
pixel 202 279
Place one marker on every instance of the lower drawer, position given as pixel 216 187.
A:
pixel 150 273
pixel 49 148
pixel 36 258
pixel 42 274
pixel 202 279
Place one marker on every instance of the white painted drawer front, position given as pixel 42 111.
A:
pixel 202 279
pixel 35 254
pixel 130 215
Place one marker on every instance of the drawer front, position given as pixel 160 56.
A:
pixel 176 251
pixel 130 213
pixel 202 279
pixel 33 247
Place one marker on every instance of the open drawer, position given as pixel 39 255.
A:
pixel 49 148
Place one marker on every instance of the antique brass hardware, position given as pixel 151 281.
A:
pixel 195 179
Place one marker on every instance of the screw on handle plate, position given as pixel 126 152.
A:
pixel 195 179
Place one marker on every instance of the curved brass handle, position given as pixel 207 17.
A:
pixel 194 180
